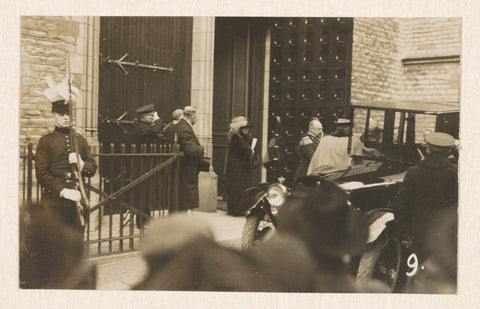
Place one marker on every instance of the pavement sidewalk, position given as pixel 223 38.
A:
pixel 122 271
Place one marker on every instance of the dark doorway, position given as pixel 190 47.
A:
pixel 238 83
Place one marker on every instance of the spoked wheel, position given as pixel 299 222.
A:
pixel 255 230
pixel 381 261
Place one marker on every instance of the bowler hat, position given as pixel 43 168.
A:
pixel 146 109
pixel 440 140
pixel 319 213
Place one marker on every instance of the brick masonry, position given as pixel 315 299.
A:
pixel 380 66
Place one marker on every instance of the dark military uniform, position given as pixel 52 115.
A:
pixel 427 188
pixel 305 150
pixel 54 171
pixel 146 133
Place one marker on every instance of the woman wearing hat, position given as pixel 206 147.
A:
pixel 240 161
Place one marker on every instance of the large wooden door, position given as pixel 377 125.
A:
pixel 310 70
pixel 158 41
pixel 238 82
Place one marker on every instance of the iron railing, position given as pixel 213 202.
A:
pixel 132 181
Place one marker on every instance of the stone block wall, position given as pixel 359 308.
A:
pixel 46 44
pixel 431 58
pixel 376 66
pixel 409 59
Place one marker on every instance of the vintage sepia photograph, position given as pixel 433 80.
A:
pixel 239 154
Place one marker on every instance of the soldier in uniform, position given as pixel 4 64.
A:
pixel 427 189
pixel 54 159
pixel 307 145
pixel 148 129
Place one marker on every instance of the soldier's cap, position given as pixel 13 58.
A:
pixel 146 109
pixel 166 236
pixel 60 106
pixel 342 121
pixel 440 140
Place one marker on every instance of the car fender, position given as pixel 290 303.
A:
pixel 378 226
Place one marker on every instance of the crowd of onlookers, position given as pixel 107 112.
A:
pixel 311 251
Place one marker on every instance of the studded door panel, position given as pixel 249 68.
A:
pixel 310 68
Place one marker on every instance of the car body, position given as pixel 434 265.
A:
pixel 373 180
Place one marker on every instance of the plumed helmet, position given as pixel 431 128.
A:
pixel 59 92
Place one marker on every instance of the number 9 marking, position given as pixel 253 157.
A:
pixel 412 262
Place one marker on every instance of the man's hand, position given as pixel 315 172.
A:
pixel 155 116
pixel 70 194
pixel 72 158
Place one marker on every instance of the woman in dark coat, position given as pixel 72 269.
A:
pixel 241 160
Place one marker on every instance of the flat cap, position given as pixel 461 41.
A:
pixel 165 236
pixel 439 139
pixel 146 109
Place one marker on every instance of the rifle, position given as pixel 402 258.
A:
pixel 83 205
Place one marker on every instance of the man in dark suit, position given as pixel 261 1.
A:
pixel 192 154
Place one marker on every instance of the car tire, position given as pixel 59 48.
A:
pixel 370 261
pixel 249 232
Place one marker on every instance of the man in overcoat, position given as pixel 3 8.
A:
pixel 192 154
pixel 169 131
pixel 54 158
pixel 427 188
pixel 332 151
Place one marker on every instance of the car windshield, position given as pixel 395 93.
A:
pixel 392 134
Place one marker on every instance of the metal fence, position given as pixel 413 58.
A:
pixel 132 181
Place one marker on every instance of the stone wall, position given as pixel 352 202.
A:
pixel 431 58
pixel 376 66
pixel 46 44
pixel 409 59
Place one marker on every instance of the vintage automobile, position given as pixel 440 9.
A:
pixel 390 148
pixel 373 181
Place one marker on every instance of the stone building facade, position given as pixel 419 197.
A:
pixel 46 42
pixel 406 59
pixel 392 59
